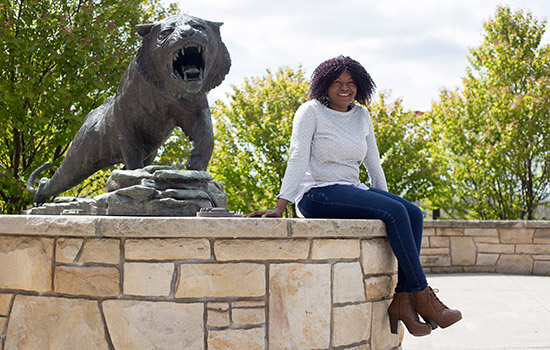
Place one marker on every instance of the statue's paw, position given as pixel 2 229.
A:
pixel 196 164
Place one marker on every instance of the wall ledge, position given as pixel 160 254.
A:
pixel 191 227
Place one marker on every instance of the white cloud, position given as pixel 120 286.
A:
pixel 414 48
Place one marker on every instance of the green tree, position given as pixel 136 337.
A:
pixel 403 139
pixel 252 135
pixel 491 137
pixel 59 59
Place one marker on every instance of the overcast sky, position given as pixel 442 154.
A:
pixel 413 48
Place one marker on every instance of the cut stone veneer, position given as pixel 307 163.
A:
pixel 510 247
pixel 125 283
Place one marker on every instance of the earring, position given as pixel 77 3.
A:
pixel 324 100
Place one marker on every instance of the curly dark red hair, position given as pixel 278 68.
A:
pixel 331 69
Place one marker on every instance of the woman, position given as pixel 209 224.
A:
pixel 331 137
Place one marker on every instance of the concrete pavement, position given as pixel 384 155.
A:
pixel 499 312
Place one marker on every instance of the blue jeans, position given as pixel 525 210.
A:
pixel 403 220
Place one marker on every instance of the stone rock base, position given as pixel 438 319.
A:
pixel 151 191
pixel 127 283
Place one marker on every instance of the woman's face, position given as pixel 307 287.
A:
pixel 342 92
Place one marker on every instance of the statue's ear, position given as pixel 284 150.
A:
pixel 216 26
pixel 144 29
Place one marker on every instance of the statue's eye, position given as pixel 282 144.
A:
pixel 165 33
pixel 198 27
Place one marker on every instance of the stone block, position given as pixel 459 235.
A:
pixel 516 235
pixel 105 251
pixel 487 259
pixel 192 227
pixel 533 249
pixel 542 268
pixel 143 325
pixel 67 249
pixel 299 306
pixel 51 225
pixel 351 324
pixel 5 303
pixel 447 269
pixel 463 251
pixel 148 279
pixel 439 242
pixel 435 260
pixel 377 257
pixel 332 249
pixel 26 263
pixel 542 233
pixel 449 231
pixel 435 251
pixel 542 236
pixel 3 323
pixel 425 242
pixel 167 249
pixel 347 286
pixel 484 239
pixel 220 280
pixel 91 281
pixel 362 347
pixel 237 339
pixel 428 231
pixel 492 232
pixel 55 323
pixel 337 228
pixel 217 315
pixel 378 287
pixel 261 249
pixel 517 264
pixel 495 248
pixel 248 304
pixel 248 316
pixel 477 269
pixel 382 338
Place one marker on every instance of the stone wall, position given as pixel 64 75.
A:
pixel 81 282
pixel 515 247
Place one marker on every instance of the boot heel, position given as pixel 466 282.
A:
pixel 430 321
pixel 394 320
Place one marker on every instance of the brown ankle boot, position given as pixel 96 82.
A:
pixel 432 310
pixel 402 308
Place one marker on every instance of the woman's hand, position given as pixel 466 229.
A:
pixel 273 213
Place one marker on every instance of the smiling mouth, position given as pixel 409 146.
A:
pixel 188 63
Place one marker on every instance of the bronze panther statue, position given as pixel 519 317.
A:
pixel 180 59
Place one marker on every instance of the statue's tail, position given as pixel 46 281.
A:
pixel 34 175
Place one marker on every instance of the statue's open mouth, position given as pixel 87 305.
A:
pixel 188 63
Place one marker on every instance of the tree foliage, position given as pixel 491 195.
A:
pixel 403 139
pixel 491 135
pixel 252 135
pixel 59 59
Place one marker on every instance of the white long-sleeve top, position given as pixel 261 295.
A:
pixel 327 147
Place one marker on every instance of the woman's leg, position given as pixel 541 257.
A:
pixel 403 223
pixel 416 218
